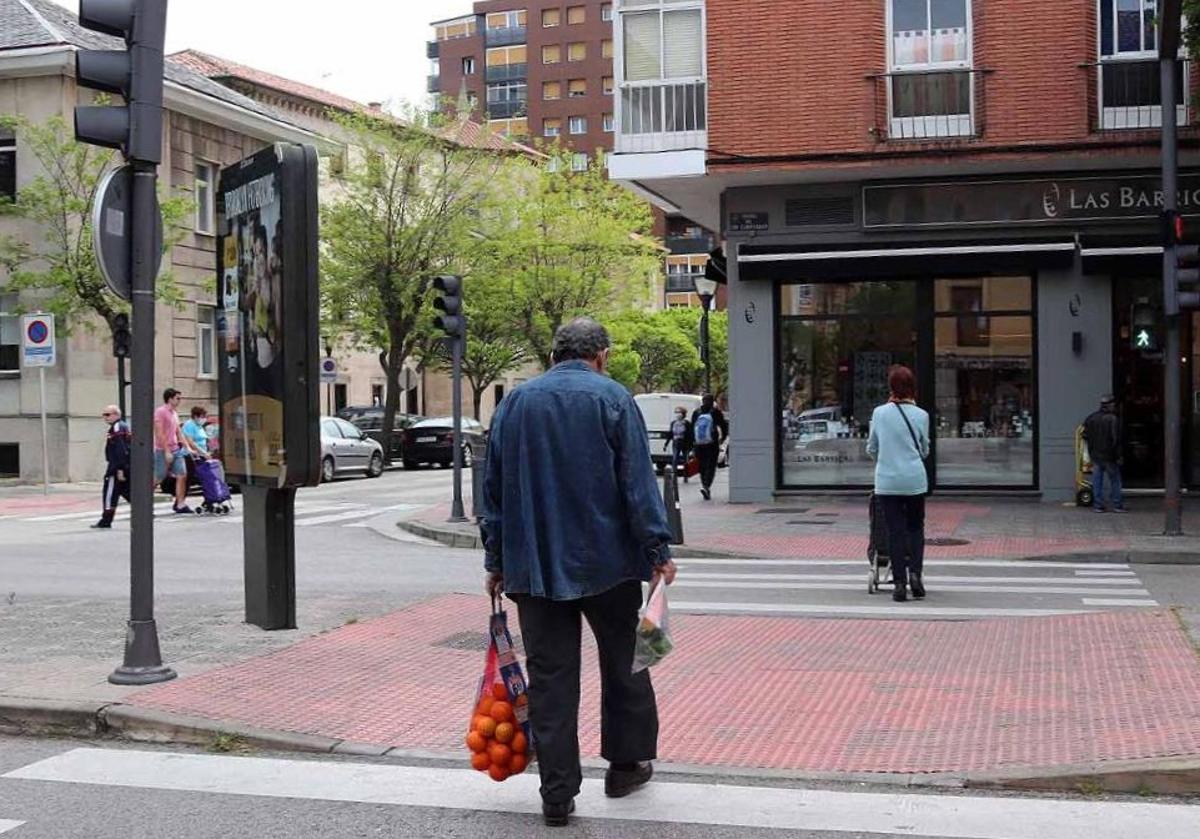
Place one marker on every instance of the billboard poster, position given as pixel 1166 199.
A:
pixel 266 320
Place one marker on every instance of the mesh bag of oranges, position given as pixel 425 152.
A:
pixel 499 737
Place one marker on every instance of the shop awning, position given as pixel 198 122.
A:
pixel 759 262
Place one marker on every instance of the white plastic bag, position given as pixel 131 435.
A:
pixel 653 641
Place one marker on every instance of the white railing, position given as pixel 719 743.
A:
pixel 662 116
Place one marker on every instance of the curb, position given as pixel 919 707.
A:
pixel 55 718
pixel 455 538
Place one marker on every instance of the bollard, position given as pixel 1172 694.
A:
pixel 671 500
pixel 478 465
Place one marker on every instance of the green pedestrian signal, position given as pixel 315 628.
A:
pixel 1143 340
pixel 1144 334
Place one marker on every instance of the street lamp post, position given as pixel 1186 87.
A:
pixel 707 289
pixel 328 387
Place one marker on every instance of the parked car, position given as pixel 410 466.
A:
pixel 432 441
pixel 372 423
pixel 352 412
pixel 658 412
pixel 345 449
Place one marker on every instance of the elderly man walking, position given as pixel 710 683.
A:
pixel 116 473
pixel 573 525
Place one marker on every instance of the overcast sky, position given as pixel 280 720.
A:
pixel 369 50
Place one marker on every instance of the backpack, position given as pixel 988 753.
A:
pixel 704 430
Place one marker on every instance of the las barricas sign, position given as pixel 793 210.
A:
pixel 1037 201
pixel 267 318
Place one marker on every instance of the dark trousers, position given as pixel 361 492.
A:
pixel 707 455
pixel 551 630
pixel 905 519
pixel 679 459
pixel 113 491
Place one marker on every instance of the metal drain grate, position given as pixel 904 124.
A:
pixel 473 642
pixel 791 511
pixel 946 542
pixel 811 521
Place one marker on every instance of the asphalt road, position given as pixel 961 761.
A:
pixel 56 789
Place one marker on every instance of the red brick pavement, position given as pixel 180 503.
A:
pixel 785 693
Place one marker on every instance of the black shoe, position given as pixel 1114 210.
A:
pixel 707 495
pixel 103 524
pixel 557 814
pixel 898 594
pixel 917 585
pixel 184 510
pixel 622 779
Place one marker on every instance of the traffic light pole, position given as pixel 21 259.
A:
pixel 143 660
pixel 1172 363
pixel 457 514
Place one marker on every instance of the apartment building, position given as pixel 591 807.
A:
pixel 543 69
pixel 967 188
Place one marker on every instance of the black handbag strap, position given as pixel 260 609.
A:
pixel 913 434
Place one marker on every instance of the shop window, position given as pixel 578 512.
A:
pixel 10 335
pixel 984 382
pixel 837 342
pixel 930 68
pixel 10 460
pixel 8 166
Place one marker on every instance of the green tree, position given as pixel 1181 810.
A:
pixel 52 256
pixel 666 358
pixel 686 320
pixel 567 243
pixel 405 213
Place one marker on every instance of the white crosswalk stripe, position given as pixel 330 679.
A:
pixel 7 825
pixel 662 802
pixel 309 513
pixel 838 588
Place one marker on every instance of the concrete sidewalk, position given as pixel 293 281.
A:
pixel 837 527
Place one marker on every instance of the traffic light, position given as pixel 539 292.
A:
pixel 1187 261
pixel 136 73
pixel 1144 336
pixel 449 303
pixel 120 336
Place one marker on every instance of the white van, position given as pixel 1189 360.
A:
pixel 658 412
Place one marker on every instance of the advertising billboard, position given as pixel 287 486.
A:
pixel 267 321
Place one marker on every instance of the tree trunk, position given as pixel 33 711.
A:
pixel 395 363
pixel 477 400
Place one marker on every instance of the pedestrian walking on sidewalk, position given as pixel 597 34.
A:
pixel 573 525
pixel 899 443
pixel 116 473
pixel 709 429
pixel 681 442
pixel 171 447
pixel 1102 432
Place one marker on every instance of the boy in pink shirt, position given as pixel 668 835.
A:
pixel 170 447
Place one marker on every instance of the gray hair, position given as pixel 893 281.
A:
pixel 582 338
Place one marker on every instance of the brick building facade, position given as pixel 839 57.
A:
pixel 970 189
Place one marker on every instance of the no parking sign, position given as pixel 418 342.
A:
pixel 37 340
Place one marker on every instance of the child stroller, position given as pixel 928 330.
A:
pixel 212 484
pixel 878 554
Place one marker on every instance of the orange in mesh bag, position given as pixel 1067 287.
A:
pixel 499 736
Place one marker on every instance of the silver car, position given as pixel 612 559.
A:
pixel 346 449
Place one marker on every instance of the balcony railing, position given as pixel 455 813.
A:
pixel 433 49
pixel 682 283
pixel 504 37
pixel 689 244
pixel 1124 94
pixel 507 72
pixel 662 116
pixel 929 104
pixel 507 109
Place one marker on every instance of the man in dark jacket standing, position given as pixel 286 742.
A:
pixel 116 474
pixel 709 430
pixel 1102 432
pixel 573 525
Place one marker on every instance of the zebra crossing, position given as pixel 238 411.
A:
pixel 959 589
pixel 311 513
pixel 8 824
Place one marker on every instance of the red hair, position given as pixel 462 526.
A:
pixel 901 382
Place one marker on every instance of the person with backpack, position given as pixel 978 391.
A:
pixel 709 429
pixel 899 443
pixel 682 440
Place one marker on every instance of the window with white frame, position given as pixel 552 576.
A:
pixel 610 124
pixel 606 13
pixel 930 68
pixel 206 342
pixel 1130 84
pixel 551 127
pixel 577 125
pixel 579 162
pixel 10 335
pixel 468 66
pixel 662 67
pixel 206 195
pixel 8 165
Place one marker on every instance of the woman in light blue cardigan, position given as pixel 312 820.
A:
pixel 899 444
